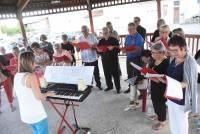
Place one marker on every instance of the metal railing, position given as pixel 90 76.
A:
pixel 193 42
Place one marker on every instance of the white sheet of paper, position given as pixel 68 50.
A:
pixel 135 66
pixel 148 75
pixel 69 74
pixel 157 42
pixel 174 89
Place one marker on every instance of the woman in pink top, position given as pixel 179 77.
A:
pixel 61 57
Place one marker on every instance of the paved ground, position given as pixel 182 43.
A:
pixel 101 111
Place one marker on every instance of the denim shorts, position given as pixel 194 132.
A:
pixel 40 127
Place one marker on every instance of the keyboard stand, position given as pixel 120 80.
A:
pixel 66 104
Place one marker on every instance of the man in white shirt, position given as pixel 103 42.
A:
pixel 89 56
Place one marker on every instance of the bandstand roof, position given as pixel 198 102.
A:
pixel 10 8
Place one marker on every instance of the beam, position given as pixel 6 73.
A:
pixel 91 21
pixel 21 5
pixel 23 31
pixel 89 6
pixel 159 8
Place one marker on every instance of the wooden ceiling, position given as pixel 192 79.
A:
pixel 10 8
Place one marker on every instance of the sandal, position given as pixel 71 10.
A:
pixel 152 117
pixel 158 126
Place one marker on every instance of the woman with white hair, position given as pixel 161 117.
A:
pixel 157 88
pixel 61 57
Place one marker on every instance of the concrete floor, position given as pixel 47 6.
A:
pixel 103 112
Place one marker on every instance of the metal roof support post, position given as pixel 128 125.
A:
pixel 159 8
pixel 89 6
pixel 20 7
pixel 23 31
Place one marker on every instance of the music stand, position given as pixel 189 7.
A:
pixel 69 75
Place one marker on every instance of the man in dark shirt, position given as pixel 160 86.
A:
pixel 66 45
pixel 141 30
pixel 7 56
pixel 46 46
pixel 110 60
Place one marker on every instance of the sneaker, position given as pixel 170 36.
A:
pixel 132 103
pixel 137 105
pixel 129 107
pixel 127 91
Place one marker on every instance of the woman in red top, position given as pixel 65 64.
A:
pixel 14 60
pixel 7 84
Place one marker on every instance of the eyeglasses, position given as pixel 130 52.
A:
pixel 132 28
pixel 163 32
pixel 173 50
pixel 34 49
pixel 106 33
pixel 155 52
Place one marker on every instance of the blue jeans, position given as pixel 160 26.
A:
pixel 40 127
pixel 198 124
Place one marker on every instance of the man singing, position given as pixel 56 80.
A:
pixel 110 60
pixel 89 56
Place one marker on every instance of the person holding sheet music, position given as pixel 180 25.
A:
pixel 61 57
pixel 46 46
pixel 7 82
pixel 184 69
pixel 141 30
pixel 89 56
pixel 133 39
pixel 164 32
pixel 141 83
pixel 42 59
pixel 110 60
pixel 112 32
pixel 66 45
pixel 160 66
pixel 178 32
pixel 14 60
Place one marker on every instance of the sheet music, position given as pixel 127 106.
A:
pixel 157 42
pixel 131 81
pixel 135 66
pixel 174 89
pixel 69 74
pixel 148 75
